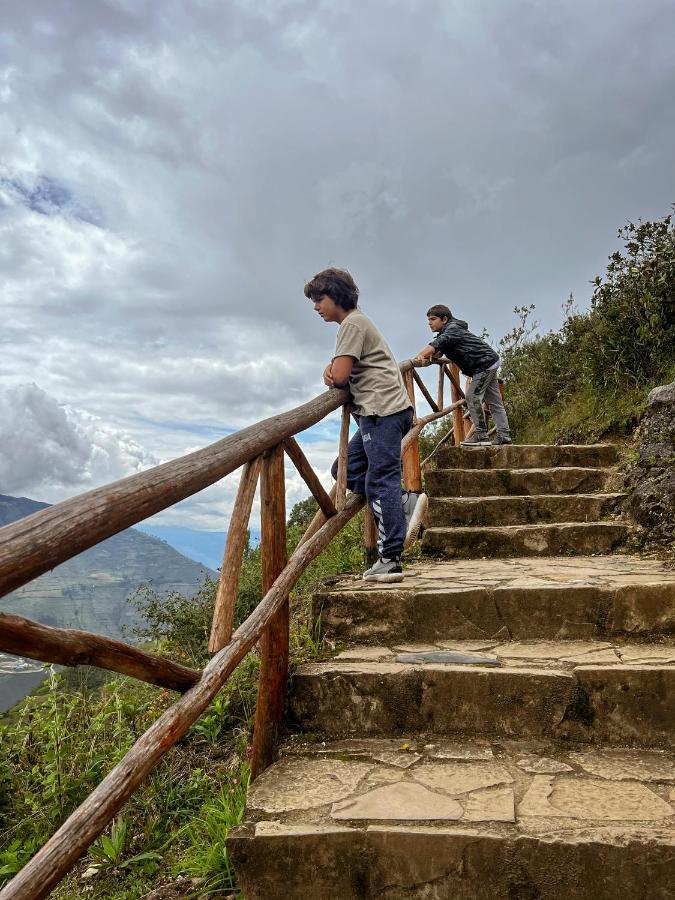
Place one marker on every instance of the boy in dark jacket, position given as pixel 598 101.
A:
pixel 479 361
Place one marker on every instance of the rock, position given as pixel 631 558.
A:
pixel 584 798
pixel 663 394
pixel 307 783
pixel 403 801
pixel 652 476
pixel 177 890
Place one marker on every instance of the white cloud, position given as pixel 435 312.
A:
pixel 171 174
pixel 49 451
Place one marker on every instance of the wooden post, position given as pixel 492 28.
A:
pixel 412 468
pixel 341 495
pixel 468 424
pixel 370 547
pixel 274 643
pixel 228 585
pixel 456 394
pixel 441 380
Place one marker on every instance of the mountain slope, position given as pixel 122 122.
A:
pixel 92 590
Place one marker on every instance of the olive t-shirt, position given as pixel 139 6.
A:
pixel 376 383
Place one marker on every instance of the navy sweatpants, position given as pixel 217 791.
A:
pixel 374 469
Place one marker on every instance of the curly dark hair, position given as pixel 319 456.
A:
pixel 338 284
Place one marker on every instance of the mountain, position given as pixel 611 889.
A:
pixel 205 546
pixel 92 590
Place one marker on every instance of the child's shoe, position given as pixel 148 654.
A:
pixel 476 440
pixel 502 440
pixel 388 570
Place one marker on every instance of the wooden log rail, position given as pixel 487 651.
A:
pixel 69 647
pixel 39 542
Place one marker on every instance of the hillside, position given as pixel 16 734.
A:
pixel 92 590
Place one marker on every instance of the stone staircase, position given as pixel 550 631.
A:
pixel 496 726
pixel 523 501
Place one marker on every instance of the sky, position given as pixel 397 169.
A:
pixel 171 173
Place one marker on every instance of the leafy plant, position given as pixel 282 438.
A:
pixel 108 853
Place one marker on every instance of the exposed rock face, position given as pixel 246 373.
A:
pixel 652 477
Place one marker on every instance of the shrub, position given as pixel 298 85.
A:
pixel 591 375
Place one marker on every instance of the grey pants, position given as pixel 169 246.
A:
pixel 485 387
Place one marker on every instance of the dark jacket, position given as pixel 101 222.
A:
pixel 470 352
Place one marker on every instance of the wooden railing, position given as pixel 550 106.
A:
pixel 39 542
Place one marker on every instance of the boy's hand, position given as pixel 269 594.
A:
pixel 425 355
pixel 328 376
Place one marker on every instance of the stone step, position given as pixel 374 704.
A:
pixel 514 510
pixel 525 540
pixel 433 819
pixel 566 690
pixel 501 482
pixel 522 598
pixel 528 456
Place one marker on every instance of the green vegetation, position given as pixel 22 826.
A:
pixel 58 744
pixel 592 376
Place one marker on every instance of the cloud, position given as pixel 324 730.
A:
pixel 49 450
pixel 172 173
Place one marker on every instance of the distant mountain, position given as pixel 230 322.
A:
pixel 92 590
pixel 205 546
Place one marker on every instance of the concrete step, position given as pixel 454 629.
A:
pixel 432 820
pixel 525 540
pixel 522 598
pixel 527 456
pixel 592 691
pixel 502 482
pixel 513 510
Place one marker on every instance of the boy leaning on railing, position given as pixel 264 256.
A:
pixel 365 365
pixel 479 361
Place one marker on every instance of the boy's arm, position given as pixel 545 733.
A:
pixel 340 370
pixel 427 353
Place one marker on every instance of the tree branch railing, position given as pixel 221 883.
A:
pixel 51 536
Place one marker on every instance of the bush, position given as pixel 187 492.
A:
pixel 591 376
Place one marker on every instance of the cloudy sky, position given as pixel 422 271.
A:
pixel 172 172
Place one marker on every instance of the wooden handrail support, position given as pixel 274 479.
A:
pixel 425 393
pixel 228 583
pixel 341 484
pixel 412 471
pixel 49 865
pixel 309 476
pixel 456 393
pixel 69 647
pixel 454 380
pixel 274 646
